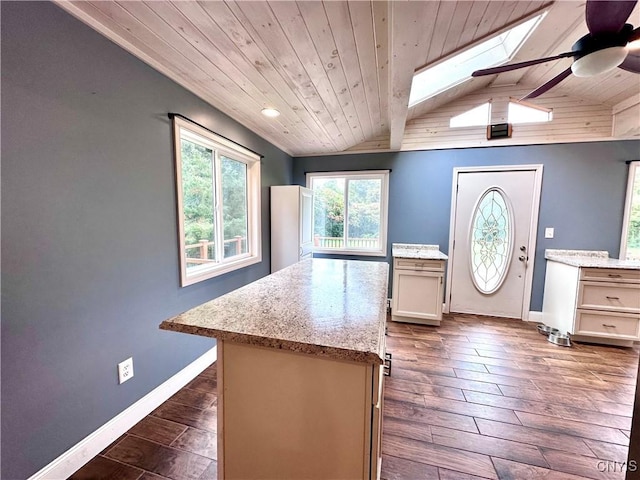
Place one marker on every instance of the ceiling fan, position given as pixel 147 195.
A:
pixel 600 50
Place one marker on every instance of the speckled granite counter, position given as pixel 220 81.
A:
pixel 331 308
pixel 589 259
pixel 416 250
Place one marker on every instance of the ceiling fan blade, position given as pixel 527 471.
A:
pixel 549 85
pixel 631 63
pixel 515 66
pixel 635 35
pixel 608 16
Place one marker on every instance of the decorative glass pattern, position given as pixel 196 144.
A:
pixel 490 242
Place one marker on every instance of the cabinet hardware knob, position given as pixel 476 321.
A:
pixel 612 298
pixel 523 248
pixel 606 325
pixel 522 258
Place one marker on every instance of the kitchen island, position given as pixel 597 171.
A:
pixel 592 297
pixel 300 371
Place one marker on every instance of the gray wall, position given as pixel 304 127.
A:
pixel 89 243
pixel 583 192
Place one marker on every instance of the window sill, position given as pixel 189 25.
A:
pixel 220 270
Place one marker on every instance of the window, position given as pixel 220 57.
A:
pixel 457 69
pixel 519 112
pixel 350 212
pixel 479 115
pixel 630 245
pixel 218 186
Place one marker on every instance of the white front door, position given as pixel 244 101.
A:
pixel 494 221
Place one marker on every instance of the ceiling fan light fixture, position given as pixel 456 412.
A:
pixel 599 62
pixel 270 112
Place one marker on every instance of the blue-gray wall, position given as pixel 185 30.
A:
pixel 89 234
pixel 583 192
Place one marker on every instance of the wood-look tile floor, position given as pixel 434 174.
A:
pixel 475 398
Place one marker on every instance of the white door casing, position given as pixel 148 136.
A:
pixel 512 197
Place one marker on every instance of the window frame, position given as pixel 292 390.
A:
pixel 382 175
pixel 634 169
pixel 220 146
pixel 527 105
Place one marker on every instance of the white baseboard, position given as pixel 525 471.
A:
pixel 537 317
pixel 78 455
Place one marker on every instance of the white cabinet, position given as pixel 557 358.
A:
pixel 291 225
pixel 287 415
pixel 599 305
pixel 417 291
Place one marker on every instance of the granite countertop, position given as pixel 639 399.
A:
pixel 330 308
pixel 416 250
pixel 589 259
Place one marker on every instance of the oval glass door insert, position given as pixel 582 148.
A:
pixel 490 240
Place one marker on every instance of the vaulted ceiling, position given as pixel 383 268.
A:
pixel 339 72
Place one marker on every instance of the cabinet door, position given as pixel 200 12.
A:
pixel 306 221
pixel 417 294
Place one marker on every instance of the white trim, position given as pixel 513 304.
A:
pixel 534 316
pixel 634 169
pixel 533 228
pixel 383 176
pixel 219 145
pixel 90 446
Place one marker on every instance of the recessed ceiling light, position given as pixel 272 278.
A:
pixel 270 112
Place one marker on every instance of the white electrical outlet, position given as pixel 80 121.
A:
pixel 548 232
pixel 125 370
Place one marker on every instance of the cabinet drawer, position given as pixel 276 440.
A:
pixel 417 264
pixel 611 325
pixel 620 297
pixel 610 275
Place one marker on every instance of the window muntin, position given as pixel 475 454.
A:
pixel 491 244
pixel 350 212
pixel 477 116
pixel 218 189
pixel 457 69
pixel 630 244
pixel 520 113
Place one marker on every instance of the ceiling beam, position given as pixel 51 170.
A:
pixel 408 31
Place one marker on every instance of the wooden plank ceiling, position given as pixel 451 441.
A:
pixel 339 72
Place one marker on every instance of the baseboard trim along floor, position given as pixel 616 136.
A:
pixel 78 455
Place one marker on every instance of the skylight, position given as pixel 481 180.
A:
pixel 457 69
pixel 519 113
pixel 479 115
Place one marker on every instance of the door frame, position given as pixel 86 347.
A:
pixel 533 228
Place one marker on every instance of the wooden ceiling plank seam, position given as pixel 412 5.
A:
pixel 406 41
pixel 471 24
pixel 273 39
pixel 294 27
pixel 431 14
pixel 381 32
pixel 502 18
pixel 617 81
pixel 194 34
pixel 361 16
pixel 155 23
pixel 113 17
pixel 317 24
pixel 340 24
pixel 319 97
pixel 454 32
pixel 236 32
pixel 443 21
pixel 490 14
pixel 274 96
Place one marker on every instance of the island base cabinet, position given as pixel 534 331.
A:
pixel 288 415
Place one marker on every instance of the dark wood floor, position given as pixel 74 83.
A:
pixel 475 398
